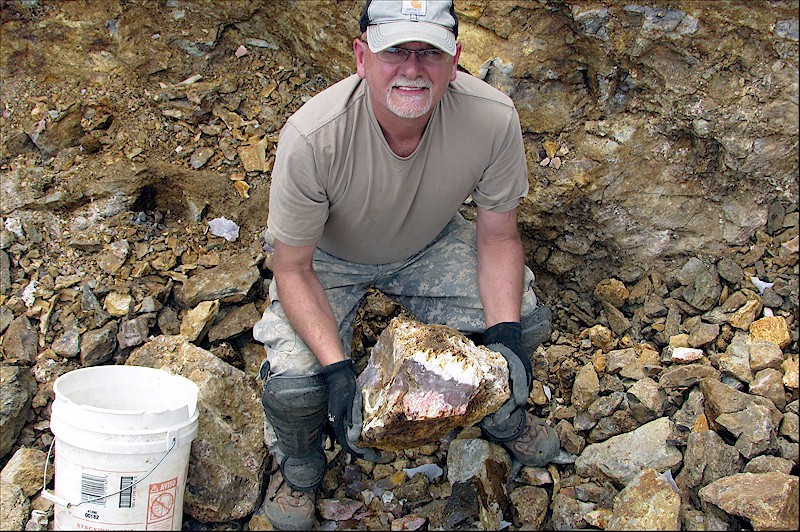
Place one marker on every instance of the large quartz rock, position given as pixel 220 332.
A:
pixel 422 381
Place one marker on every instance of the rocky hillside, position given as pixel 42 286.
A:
pixel 662 225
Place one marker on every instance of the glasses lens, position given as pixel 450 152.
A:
pixel 393 55
pixel 429 56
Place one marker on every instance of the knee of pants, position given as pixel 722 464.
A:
pixel 296 411
pixel 536 327
pixel 287 354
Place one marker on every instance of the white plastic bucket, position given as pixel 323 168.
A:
pixel 123 436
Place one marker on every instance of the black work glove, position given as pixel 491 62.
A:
pixel 344 408
pixel 509 334
pixel 508 422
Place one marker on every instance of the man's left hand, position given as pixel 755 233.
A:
pixel 508 422
pixel 508 335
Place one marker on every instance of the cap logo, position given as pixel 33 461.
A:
pixel 413 7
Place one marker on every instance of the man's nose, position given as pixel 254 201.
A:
pixel 412 64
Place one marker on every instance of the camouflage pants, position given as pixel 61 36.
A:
pixel 439 284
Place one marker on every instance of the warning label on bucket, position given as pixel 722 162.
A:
pixel 161 504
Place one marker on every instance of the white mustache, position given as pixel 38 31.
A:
pixel 411 83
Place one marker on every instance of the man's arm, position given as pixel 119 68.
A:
pixel 309 312
pixel 501 274
pixel 305 302
pixel 501 265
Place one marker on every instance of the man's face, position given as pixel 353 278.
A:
pixel 407 90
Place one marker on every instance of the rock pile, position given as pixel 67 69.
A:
pixel 675 396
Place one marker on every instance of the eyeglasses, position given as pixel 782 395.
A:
pixel 396 55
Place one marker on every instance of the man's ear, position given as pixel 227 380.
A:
pixel 360 51
pixel 455 62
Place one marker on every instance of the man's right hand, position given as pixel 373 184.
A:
pixel 344 408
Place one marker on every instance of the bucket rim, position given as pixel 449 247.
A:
pixel 64 396
pixel 121 368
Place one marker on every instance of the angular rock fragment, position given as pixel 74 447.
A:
pixel 691 413
pixel 769 464
pixel 17 388
pixel 20 342
pixel 687 375
pixel 235 322
pixel 772 329
pixel 133 332
pixel 622 457
pixel 790 372
pixel 601 337
pixel 478 470
pixel 586 387
pixel 25 469
pixel 226 467
pixel 117 304
pixel 703 334
pixel 422 381
pixel 529 507
pixel 752 419
pixel 746 314
pixel 701 282
pixel 198 320
pixel 616 319
pixel 736 360
pixel 68 343
pixel 611 290
pixel 648 502
pixel 768 500
pixel 97 346
pixel 684 355
pixel 646 400
pixel 15 507
pixel 765 355
pixel 769 383
pixel 568 512
pixel 707 458
pixel 229 282
pixel 790 426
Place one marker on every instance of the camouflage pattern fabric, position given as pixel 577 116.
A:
pixel 439 284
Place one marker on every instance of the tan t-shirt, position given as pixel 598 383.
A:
pixel 336 182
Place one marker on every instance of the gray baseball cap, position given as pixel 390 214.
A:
pixel 392 22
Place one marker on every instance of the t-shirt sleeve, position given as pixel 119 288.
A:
pixel 505 181
pixel 298 201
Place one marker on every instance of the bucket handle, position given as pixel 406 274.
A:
pixel 66 504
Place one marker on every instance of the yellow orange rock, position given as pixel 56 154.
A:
pixel 771 329
pixel 550 148
pixel 242 188
pixel 743 318
pixel 700 424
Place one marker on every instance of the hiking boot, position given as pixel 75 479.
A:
pixel 538 444
pixel 289 509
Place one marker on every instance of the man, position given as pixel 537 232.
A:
pixel 368 179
